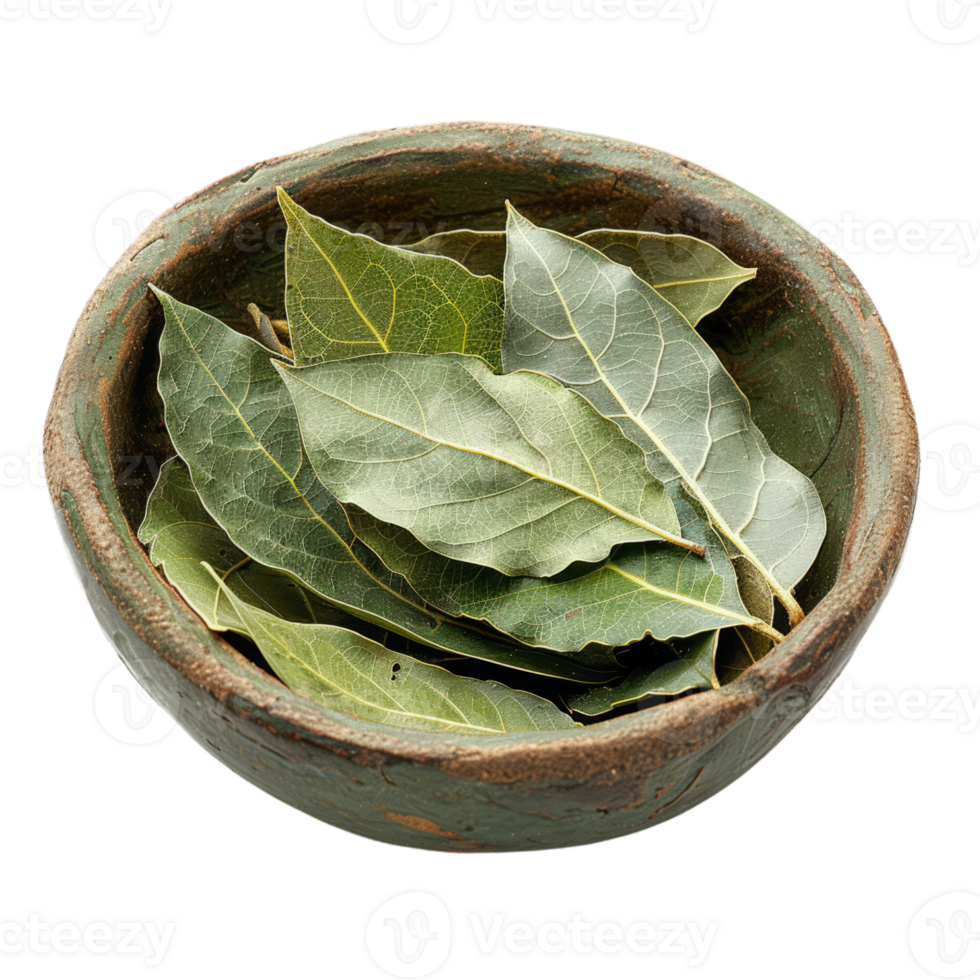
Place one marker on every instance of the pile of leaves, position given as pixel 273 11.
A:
pixel 490 482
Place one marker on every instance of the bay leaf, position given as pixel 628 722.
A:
pixel 347 294
pixel 689 273
pixel 693 668
pixel 513 472
pixel 232 421
pixel 644 589
pixel 708 659
pixel 692 275
pixel 342 670
pixel 180 534
pixel 594 325
pixel 482 252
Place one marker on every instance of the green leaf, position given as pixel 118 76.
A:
pixel 597 327
pixel 708 659
pixel 231 419
pixel 693 668
pixel 342 670
pixel 347 295
pixel 180 534
pixel 482 252
pixel 513 472
pixel 693 275
pixel 644 589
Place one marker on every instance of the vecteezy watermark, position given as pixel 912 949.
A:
pixel 27 469
pixel 947 21
pixel 944 935
pixel 409 21
pixel 415 21
pixel 127 712
pixel 251 237
pixel 847 234
pixel 124 220
pixel 950 475
pixel 580 936
pixel 137 471
pixel 94 9
pixel 39 937
pixel 17 469
pixel 694 12
pixel 410 935
pixel 880 705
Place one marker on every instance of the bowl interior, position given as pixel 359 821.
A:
pixel 771 334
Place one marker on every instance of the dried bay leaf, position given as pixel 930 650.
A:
pixel 232 421
pixel 602 526
pixel 482 252
pixel 180 534
pixel 594 325
pixel 693 668
pixel 342 670
pixel 691 274
pixel 513 472
pixel 644 589
pixel 708 659
pixel 347 294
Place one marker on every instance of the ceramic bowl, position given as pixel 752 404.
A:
pixel 803 340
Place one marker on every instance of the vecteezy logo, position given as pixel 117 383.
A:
pixel 409 21
pixel 947 21
pixel 407 25
pixel 410 935
pixel 944 935
pixel 127 712
pixel 124 220
pixel 951 468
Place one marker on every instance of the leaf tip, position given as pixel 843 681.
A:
pixel 286 203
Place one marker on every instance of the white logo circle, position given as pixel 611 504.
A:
pixel 124 220
pixel 127 712
pixel 947 21
pixel 409 21
pixel 410 935
pixel 950 477
pixel 944 935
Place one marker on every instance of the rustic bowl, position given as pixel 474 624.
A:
pixel 803 339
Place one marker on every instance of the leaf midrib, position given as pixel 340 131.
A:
pixel 437 618
pixel 383 341
pixel 401 711
pixel 340 278
pixel 691 483
pixel 639 522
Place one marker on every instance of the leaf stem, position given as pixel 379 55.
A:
pixel 761 626
pixel 790 604
pixel 234 568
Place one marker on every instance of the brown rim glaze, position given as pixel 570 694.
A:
pixel 523 790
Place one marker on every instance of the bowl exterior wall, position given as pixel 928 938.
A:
pixel 837 408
